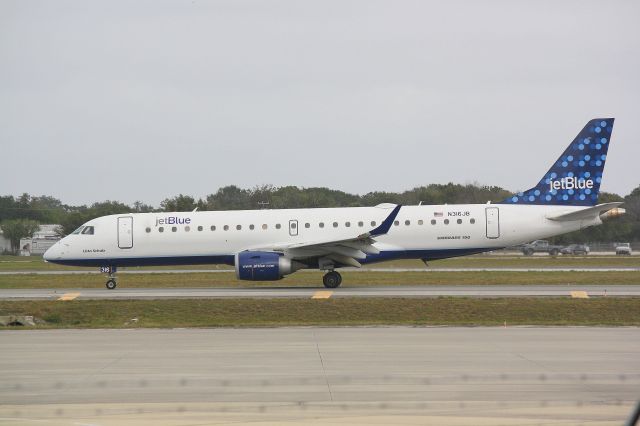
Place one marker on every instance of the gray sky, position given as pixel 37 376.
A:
pixel 141 100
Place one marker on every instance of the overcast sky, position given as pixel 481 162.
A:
pixel 142 100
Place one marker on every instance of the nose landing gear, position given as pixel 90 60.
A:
pixel 111 270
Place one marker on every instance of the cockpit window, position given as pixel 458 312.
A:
pixel 88 230
pixel 79 230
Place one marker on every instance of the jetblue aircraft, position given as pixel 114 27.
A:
pixel 266 245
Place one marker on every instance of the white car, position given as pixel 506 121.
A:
pixel 623 249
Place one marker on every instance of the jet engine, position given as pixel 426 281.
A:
pixel 264 265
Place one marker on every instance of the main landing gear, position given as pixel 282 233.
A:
pixel 111 282
pixel 332 279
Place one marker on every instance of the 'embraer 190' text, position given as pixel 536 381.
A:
pixel 570 183
pixel 173 220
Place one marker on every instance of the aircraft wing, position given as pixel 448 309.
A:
pixel 344 251
pixel 585 214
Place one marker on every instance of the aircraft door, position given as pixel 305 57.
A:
pixel 293 228
pixel 125 232
pixel 493 222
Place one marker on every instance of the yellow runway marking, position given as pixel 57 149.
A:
pixel 322 295
pixel 579 295
pixel 69 296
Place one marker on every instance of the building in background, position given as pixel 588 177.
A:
pixel 43 238
pixel 5 243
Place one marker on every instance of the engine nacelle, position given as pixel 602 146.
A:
pixel 264 266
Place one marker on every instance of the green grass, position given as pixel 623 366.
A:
pixel 314 279
pixel 35 263
pixel 331 312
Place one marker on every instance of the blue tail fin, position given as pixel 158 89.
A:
pixel 574 179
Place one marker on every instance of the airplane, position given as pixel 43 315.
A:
pixel 266 245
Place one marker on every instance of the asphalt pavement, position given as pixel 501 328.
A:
pixel 122 293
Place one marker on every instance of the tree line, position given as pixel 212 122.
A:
pixel 19 216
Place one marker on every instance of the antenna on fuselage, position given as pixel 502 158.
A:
pixel 195 210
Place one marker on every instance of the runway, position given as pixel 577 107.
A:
pixel 307 292
pixel 385 375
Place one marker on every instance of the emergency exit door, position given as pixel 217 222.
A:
pixel 125 232
pixel 293 228
pixel 493 222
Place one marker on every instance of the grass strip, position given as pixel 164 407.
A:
pixel 331 312
pixel 350 279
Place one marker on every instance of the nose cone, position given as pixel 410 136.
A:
pixel 52 253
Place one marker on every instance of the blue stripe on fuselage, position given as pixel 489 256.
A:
pixel 229 259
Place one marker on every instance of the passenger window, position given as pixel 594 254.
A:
pixel 407 222
pixel 420 222
pixel 174 228
pixel 161 229
pixel 347 224
pixel 361 224
pixel 373 223
pixel 251 227
pixel 148 230
pixel 307 225
pixel 433 221
pixel 459 221
pixel 446 221
pixel 472 221
pixel 396 222
pixel 321 224
pixel 213 227
pixel 226 227
pixel 278 226
pixel 335 224
pixel 187 228
pixel 199 228
pixel 88 230
pixel 238 227
pixel 264 226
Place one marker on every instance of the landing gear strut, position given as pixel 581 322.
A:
pixel 111 282
pixel 332 279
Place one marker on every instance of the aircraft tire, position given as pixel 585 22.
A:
pixel 111 284
pixel 332 279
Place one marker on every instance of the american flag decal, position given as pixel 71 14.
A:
pixel 438 214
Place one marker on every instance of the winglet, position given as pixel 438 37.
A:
pixel 386 224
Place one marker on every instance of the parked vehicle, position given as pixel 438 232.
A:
pixel 540 246
pixel 623 249
pixel 575 249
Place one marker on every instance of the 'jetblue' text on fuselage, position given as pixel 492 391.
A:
pixel 173 220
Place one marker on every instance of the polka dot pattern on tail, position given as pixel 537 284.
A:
pixel 574 179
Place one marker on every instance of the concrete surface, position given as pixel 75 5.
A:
pixel 386 375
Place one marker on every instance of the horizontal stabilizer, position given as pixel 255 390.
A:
pixel 584 214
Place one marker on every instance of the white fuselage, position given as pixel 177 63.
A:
pixel 423 232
